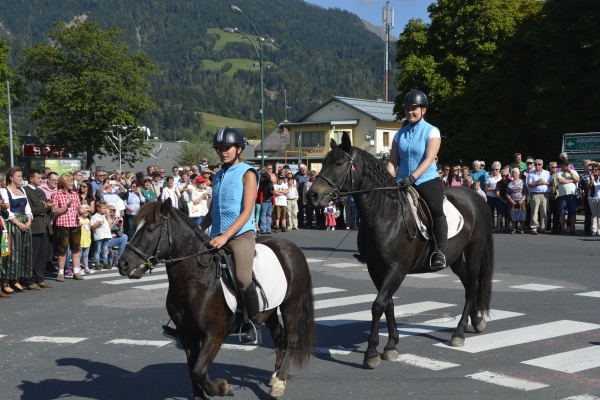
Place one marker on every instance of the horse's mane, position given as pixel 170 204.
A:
pixel 375 174
pixel 150 213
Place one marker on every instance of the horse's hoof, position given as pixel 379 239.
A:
pixel 277 387
pixel 390 355
pixel 480 327
pixel 373 362
pixel 224 388
pixel 273 379
pixel 457 341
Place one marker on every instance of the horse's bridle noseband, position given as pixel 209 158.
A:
pixel 165 231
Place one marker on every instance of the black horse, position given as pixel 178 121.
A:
pixel 390 245
pixel 195 298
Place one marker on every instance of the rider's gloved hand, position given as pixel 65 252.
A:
pixel 406 182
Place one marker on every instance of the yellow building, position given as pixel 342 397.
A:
pixel 371 125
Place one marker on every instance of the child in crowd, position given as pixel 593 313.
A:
pixel 280 190
pixel 292 204
pixel 101 227
pixel 476 186
pixel 86 238
pixel 330 216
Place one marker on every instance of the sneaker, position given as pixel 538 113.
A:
pixel 333 228
pixel 69 274
pixel 60 278
pixel 98 267
pixel 87 271
pixel 77 277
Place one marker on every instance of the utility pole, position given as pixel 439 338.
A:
pixel 10 132
pixel 387 26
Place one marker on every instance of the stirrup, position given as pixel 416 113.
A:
pixel 435 268
pixel 169 331
pixel 253 336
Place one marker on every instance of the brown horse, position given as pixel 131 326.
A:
pixel 390 245
pixel 195 298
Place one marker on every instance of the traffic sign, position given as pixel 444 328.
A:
pixel 584 142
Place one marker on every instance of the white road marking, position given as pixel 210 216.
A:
pixel 582 397
pixel 242 347
pixel 528 334
pixel 430 275
pixel 126 281
pixel 343 265
pixel 313 260
pixel 333 350
pixel 344 301
pixel 400 310
pixel 152 287
pixel 54 339
pixel 589 294
pixel 536 287
pixel 157 343
pixel 326 290
pixel 493 281
pixel 569 361
pixel 506 381
pixel 424 362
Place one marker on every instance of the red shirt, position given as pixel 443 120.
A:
pixel 69 218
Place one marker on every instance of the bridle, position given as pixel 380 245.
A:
pixel 165 232
pixel 336 191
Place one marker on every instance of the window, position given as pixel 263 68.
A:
pixel 337 136
pixel 386 139
pixel 310 138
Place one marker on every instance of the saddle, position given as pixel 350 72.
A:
pixel 422 215
pixel 267 274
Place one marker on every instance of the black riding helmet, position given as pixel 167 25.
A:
pixel 415 98
pixel 229 136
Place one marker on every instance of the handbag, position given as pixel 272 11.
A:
pixel 517 215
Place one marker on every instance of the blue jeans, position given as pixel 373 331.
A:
pixel 120 241
pixel 101 251
pixel 265 216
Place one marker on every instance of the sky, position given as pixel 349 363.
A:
pixel 372 10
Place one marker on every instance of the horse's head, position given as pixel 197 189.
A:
pixel 151 241
pixel 336 174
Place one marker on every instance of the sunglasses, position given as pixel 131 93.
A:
pixel 538 164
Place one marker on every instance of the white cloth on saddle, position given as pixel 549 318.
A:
pixel 269 273
pixel 453 217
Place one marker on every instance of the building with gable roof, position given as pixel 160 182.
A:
pixel 371 125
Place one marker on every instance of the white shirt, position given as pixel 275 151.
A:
pixel 281 200
pixel 103 231
pixel 4 193
pixel 170 194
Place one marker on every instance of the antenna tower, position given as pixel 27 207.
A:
pixel 388 24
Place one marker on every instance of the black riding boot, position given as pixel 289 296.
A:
pixel 440 233
pixel 250 299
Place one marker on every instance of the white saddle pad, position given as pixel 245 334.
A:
pixel 453 216
pixel 269 273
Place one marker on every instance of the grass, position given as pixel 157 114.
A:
pixel 238 63
pixel 213 122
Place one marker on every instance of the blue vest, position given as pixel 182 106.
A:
pixel 228 200
pixel 412 143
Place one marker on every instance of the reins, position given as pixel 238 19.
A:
pixel 151 261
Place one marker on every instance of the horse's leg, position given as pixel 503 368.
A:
pixel 390 284
pixel 276 330
pixel 390 352
pixel 469 281
pixel 199 359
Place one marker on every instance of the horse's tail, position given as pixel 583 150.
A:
pixel 486 271
pixel 306 337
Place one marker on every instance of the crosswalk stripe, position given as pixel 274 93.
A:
pixel 153 287
pixel 424 362
pixel 102 275
pixel 54 339
pixel 157 343
pixel 326 290
pixel 582 397
pixel 313 260
pixel 536 287
pixel 440 324
pixel 344 301
pixel 431 275
pixel 506 381
pixel 589 294
pixel 343 265
pixel 569 361
pixel 333 350
pixel 243 347
pixel 361 316
pixel 126 281
pixel 518 336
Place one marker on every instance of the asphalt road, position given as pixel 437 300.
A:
pixel 101 339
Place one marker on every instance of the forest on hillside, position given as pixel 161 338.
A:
pixel 312 54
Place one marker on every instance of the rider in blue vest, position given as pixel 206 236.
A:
pixel 414 152
pixel 231 219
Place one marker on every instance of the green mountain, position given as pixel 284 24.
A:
pixel 309 53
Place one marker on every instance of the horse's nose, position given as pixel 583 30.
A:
pixel 123 266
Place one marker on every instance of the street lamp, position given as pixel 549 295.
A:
pixel 259 53
pixel 117 138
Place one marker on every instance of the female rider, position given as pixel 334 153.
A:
pixel 415 147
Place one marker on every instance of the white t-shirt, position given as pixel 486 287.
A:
pixel 280 200
pixel 102 231
pixel 170 194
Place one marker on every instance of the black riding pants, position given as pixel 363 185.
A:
pixel 432 192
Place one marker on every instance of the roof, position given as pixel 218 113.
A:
pixel 378 110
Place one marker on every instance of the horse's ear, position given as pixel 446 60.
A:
pixel 332 144
pixel 346 144
pixel 166 206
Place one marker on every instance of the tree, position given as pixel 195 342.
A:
pixel 89 83
pixel 193 152
pixel 5 75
